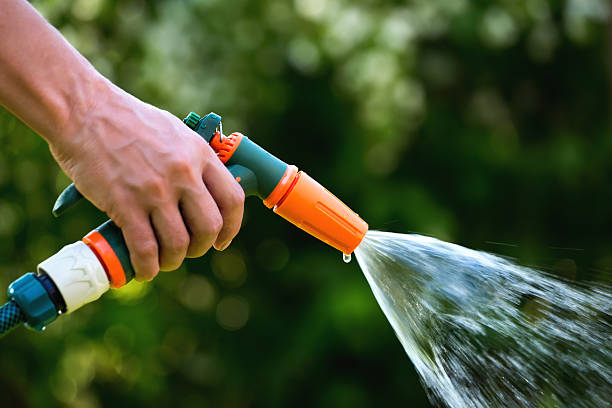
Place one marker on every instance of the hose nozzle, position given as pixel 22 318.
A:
pixel 308 205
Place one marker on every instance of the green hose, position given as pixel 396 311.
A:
pixel 10 317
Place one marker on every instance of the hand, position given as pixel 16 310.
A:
pixel 159 181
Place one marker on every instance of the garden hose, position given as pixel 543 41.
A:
pixel 81 272
pixel 11 316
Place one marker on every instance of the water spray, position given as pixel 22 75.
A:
pixel 83 271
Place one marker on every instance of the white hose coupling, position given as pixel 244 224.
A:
pixel 77 273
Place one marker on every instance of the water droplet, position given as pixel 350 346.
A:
pixel 346 258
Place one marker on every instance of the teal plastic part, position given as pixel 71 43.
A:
pixel 113 235
pixel 207 126
pixel 192 120
pixel 268 169
pixel 34 301
pixel 246 178
pixel 69 197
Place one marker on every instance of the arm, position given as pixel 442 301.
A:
pixel 156 179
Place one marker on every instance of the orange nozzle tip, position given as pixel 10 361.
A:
pixel 309 206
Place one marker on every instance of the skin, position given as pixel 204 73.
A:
pixel 156 179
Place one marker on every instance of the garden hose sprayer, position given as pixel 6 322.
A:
pixel 81 272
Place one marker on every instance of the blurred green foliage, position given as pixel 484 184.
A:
pixel 486 123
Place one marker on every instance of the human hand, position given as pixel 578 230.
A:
pixel 159 181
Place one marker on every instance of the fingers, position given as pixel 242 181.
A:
pixel 229 198
pixel 207 211
pixel 172 236
pixel 210 215
pixel 203 220
pixel 142 245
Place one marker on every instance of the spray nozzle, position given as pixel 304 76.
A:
pixel 82 272
pixel 290 193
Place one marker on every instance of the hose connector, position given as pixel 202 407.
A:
pixel 36 304
pixel 77 273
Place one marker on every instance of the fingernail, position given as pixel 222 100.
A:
pixel 224 246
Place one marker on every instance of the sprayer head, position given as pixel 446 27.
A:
pixel 309 206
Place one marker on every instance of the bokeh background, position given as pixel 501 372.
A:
pixel 485 123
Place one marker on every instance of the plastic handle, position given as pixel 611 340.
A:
pixel 70 196
pixel 246 178
pixel 112 234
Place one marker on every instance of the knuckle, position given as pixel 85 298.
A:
pixel 236 197
pixel 214 225
pixel 180 165
pixel 178 242
pixel 185 172
pixel 154 187
pixel 146 249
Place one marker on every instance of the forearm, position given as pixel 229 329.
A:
pixel 43 80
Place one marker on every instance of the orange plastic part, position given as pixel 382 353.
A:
pixel 225 146
pixel 309 206
pixel 281 188
pixel 112 266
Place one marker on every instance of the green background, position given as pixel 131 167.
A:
pixel 485 123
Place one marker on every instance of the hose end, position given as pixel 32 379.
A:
pixel 34 301
pixel 11 316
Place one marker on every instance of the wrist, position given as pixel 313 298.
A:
pixel 86 93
